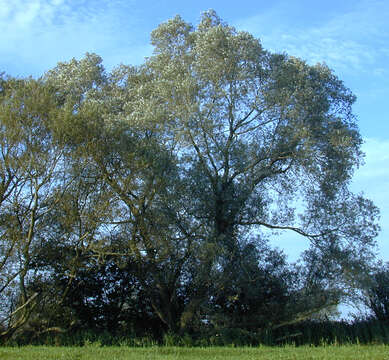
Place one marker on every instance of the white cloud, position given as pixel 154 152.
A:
pixel 19 14
pixel 36 34
pixel 356 40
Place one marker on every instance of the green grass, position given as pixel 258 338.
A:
pixel 368 352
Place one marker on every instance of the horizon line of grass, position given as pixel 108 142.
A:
pixel 286 352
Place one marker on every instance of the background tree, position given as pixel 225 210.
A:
pixel 33 180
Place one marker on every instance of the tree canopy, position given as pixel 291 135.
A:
pixel 167 177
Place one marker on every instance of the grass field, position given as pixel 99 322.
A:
pixel 380 352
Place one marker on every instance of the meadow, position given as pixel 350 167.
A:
pixel 350 352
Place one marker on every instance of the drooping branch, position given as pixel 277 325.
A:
pixel 292 228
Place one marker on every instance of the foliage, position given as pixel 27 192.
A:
pixel 140 200
pixel 33 178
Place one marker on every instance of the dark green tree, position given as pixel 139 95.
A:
pixel 376 297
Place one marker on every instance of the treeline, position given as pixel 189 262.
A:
pixel 140 201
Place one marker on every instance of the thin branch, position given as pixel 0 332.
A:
pixel 18 309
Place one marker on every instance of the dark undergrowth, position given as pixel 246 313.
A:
pixel 307 333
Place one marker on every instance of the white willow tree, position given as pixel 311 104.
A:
pixel 265 141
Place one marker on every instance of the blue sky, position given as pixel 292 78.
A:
pixel 352 37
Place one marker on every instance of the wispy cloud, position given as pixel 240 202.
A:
pixel 39 33
pixel 356 39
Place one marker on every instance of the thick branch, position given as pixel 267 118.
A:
pixel 292 228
